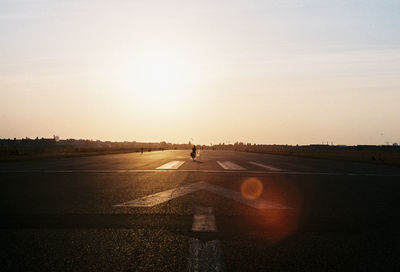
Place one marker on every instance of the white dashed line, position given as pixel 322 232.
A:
pixel 270 168
pixel 171 165
pixel 205 255
pixel 204 219
pixel 230 165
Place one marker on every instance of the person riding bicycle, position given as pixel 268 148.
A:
pixel 193 154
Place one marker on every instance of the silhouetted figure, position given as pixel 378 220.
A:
pixel 141 150
pixel 193 154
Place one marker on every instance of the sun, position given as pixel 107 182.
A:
pixel 160 75
pixel 155 75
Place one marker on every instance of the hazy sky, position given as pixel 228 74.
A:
pixel 293 72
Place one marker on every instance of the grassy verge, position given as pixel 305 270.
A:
pixel 59 155
pixel 375 157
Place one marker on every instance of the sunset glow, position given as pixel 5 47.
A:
pixel 260 72
pixel 154 75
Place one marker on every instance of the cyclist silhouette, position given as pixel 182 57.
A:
pixel 193 154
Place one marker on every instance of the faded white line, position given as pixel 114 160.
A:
pixel 171 165
pixel 204 219
pixel 106 171
pixel 270 168
pixel 230 165
pixel 158 198
pixel 205 255
pixel 256 203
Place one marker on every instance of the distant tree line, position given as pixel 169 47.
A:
pixel 28 146
pixel 249 147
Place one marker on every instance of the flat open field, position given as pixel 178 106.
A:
pixel 375 157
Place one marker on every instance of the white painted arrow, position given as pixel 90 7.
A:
pixel 158 198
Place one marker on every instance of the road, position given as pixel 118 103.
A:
pixel 226 211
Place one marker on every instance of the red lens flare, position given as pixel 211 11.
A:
pixel 273 224
pixel 251 188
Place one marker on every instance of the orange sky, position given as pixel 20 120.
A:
pixel 252 71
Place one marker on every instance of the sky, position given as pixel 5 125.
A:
pixel 267 72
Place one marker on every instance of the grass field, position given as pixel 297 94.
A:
pixel 58 155
pixel 376 157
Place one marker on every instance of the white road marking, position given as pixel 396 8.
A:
pixel 237 196
pixel 158 198
pixel 171 165
pixel 101 171
pixel 205 255
pixel 270 168
pixel 230 165
pixel 204 219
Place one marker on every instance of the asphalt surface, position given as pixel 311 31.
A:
pixel 65 214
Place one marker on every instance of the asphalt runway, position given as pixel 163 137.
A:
pixel 226 211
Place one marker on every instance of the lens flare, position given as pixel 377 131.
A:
pixel 251 188
pixel 278 224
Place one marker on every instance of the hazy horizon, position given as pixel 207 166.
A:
pixel 190 141
pixel 268 72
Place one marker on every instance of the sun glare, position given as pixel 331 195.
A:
pixel 155 75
